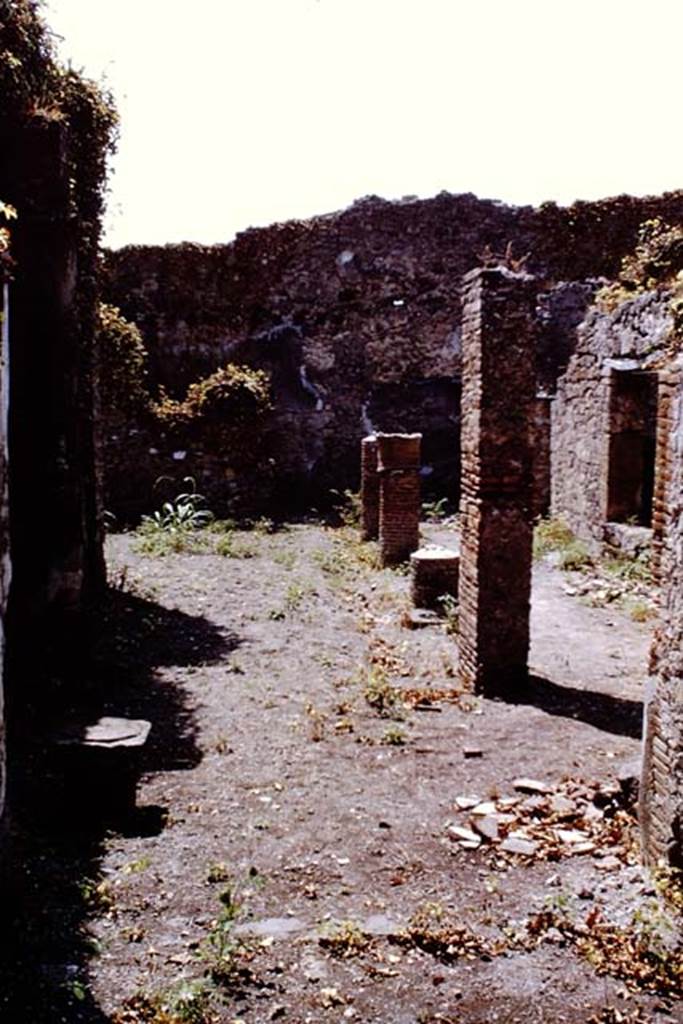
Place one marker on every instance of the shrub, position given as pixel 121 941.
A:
pixel 122 364
pixel 230 401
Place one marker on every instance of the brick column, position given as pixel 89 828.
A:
pixel 399 496
pixel 498 389
pixel 661 801
pixel 369 489
pixel 666 393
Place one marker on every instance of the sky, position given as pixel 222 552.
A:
pixel 239 113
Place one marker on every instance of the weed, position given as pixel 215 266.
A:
pixel 134 867
pixel 394 737
pixel 575 556
pixel 430 931
pixel 224 952
pixel 631 570
pixel 433 511
pixel 551 535
pixel 229 547
pixel 317 719
pixel 264 525
pixel 219 872
pixel 345 940
pixel 379 693
pixel 222 745
pixel 182 514
pixel 294 597
pixel 347 505
pixel 98 896
pixel 187 1003
pixel 641 611
pixel 449 608
pixel 286 559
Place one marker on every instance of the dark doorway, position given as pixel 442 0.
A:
pixel 633 428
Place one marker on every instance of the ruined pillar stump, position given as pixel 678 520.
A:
pixel 399 496
pixel 369 489
pixel 434 576
pixel 661 791
pixel 498 389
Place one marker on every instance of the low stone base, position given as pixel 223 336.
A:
pixel 435 573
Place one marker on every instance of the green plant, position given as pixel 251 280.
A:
pixel 174 527
pixel 230 402
pixel 641 611
pixel 345 940
pixel 347 505
pixel 575 556
pixel 224 952
pixel 449 608
pixel 551 535
pixel 631 569
pixel 121 365
pixel 379 693
pixel 231 547
pixel 433 511
pixel 394 737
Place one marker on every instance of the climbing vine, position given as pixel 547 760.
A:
pixel 655 263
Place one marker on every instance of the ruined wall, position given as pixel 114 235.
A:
pixel 5 565
pixel 356 315
pixel 632 337
pixel 55 130
pixel 661 808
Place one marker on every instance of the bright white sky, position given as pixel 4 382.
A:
pixel 244 112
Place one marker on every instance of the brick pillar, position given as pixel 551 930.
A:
pixel 498 388
pixel 661 801
pixel 399 496
pixel 369 489
pixel 666 393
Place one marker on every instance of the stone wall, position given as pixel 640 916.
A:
pixel 356 315
pixel 55 129
pixel 661 810
pixel 632 338
pixel 5 565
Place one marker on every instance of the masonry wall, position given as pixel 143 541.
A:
pixel 5 564
pixel 661 809
pixel 633 337
pixel 356 315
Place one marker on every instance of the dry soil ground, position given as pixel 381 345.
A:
pixel 295 853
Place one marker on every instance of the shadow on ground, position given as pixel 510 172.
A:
pixel 616 715
pixel 53 882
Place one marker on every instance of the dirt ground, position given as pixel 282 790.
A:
pixel 295 851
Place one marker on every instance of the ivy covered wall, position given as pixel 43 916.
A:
pixel 55 132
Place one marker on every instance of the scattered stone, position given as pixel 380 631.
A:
pixel 609 863
pixel 465 834
pixel 562 806
pixel 524 785
pixel 570 835
pixel 487 826
pixel 524 847
pixel 418 618
pixel 465 803
pixel 488 807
